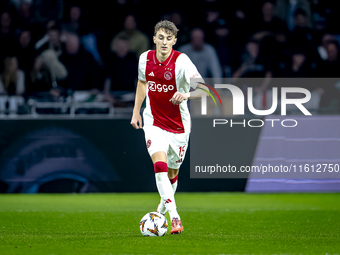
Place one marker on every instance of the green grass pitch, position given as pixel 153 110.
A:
pixel 214 223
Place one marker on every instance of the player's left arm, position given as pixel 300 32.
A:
pixel 190 71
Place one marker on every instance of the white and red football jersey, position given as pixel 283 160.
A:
pixel 163 80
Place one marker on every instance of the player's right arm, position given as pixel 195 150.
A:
pixel 136 120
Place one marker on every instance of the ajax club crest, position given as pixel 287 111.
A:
pixel 168 75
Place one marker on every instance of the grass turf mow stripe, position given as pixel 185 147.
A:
pixel 214 223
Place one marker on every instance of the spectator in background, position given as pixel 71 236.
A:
pixel 268 21
pixel 7 37
pixel 213 12
pixel 51 39
pixel 75 19
pixel 12 80
pixel 46 10
pixel 25 51
pixel 285 10
pixel 138 41
pixel 329 69
pixel 119 10
pixel 281 53
pixel 120 64
pixel 43 75
pixel 57 69
pixel 81 28
pixel 203 55
pixel 50 48
pixel 80 64
pixel 322 52
pixel 297 67
pixel 40 82
pixel 331 66
pixel 326 15
pixel 255 66
pixel 302 36
pixel 6 28
pixel 239 19
pixel 38 79
pixel 24 13
pixel 12 86
pixel 227 48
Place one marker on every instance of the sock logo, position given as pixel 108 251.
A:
pixel 168 201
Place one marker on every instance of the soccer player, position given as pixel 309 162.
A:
pixel 164 79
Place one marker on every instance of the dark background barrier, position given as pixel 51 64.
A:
pixel 102 155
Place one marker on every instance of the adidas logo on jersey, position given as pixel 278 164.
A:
pixel 151 74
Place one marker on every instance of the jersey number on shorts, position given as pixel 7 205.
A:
pixel 181 151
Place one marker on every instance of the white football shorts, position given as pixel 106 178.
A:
pixel 174 145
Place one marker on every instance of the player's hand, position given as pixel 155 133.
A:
pixel 178 98
pixel 136 121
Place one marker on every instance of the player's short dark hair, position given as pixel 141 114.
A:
pixel 168 26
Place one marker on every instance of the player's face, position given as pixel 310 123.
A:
pixel 164 42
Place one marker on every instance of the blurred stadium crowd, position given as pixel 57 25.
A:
pixel 51 48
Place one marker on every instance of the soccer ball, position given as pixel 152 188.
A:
pixel 153 224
